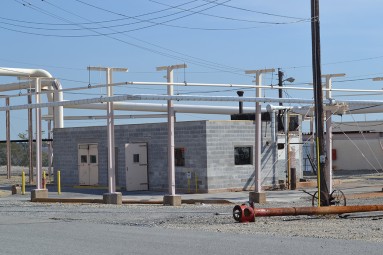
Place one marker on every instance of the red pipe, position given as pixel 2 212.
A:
pixel 293 211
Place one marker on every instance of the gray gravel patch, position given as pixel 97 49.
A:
pixel 204 217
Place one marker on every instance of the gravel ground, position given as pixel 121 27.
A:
pixel 202 217
pixel 205 217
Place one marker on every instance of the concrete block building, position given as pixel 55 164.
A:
pixel 210 156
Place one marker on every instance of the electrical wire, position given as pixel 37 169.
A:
pixel 233 19
pixel 253 11
pixel 182 57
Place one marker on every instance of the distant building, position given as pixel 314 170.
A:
pixel 210 156
pixel 357 147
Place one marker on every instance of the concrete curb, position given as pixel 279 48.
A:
pixel 124 201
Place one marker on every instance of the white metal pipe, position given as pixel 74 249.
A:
pixel 247 86
pixel 23 72
pixel 354 105
pixel 58 110
pixel 103 117
pixel 178 108
pixel 5 87
pixel 33 73
pixel 38 135
pixel 328 165
pixel 273 129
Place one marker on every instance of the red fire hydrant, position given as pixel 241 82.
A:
pixel 244 213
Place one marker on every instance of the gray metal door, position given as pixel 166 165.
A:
pixel 136 164
pixel 88 164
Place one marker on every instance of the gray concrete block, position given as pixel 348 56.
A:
pixel 172 200
pixel 112 198
pixel 257 197
pixel 39 193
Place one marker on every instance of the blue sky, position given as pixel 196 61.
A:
pixel 218 40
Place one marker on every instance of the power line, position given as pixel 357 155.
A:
pixel 182 57
pixel 253 11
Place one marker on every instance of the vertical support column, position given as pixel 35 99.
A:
pixel 38 133
pixel 30 138
pixel 110 128
pixel 258 196
pixel 287 149
pixel 171 160
pixel 8 134
pixel 39 192
pixel 171 199
pixel 112 197
pixel 328 172
pixel 49 149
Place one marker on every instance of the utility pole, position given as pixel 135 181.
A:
pixel 258 196
pixel 171 199
pixel 323 192
pixel 328 172
pixel 112 197
pixel 8 135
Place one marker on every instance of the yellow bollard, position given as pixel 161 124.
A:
pixel 23 183
pixel 59 182
pixel 44 180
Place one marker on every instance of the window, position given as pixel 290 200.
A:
pixel 93 159
pixel 243 155
pixel 136 158
pixel 179 156
pixel 281 146
pixel 84 159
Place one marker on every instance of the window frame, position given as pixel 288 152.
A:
pixel 179 162
pixel 245 161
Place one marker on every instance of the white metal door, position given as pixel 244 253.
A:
pixel 88 164
pixel 136 163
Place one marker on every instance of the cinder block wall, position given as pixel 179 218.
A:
pixel 188 135
pixel 65 148
pixel 209 154
pixel 222 137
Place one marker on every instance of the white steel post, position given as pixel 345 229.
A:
pixel 328 167
pixel 37 82
pixel 171 160
pixel 170 106
pixel 258 125
pixel 8 135
pixel 49 149
pixel 110 126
